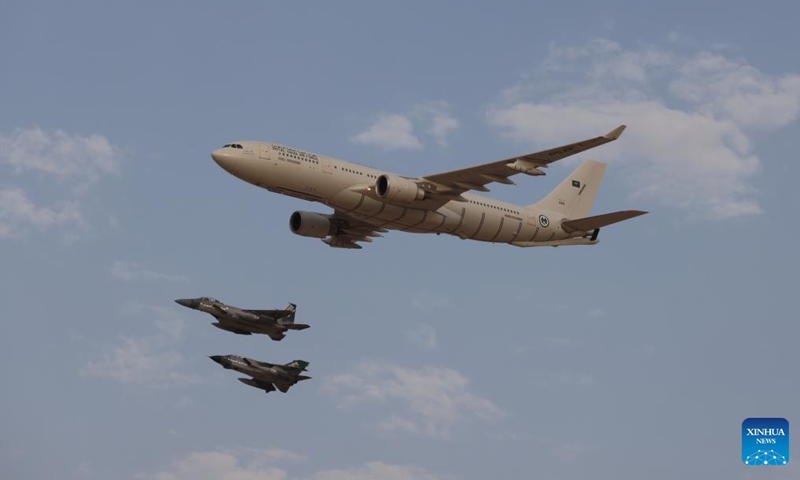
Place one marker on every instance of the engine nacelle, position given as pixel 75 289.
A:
pixel 398 189
pixel 310 224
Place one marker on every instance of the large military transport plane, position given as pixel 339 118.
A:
pixel 266 376
pixel 274 323
pixel 367 202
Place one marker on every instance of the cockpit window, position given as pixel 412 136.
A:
pixel 226 145
pixel 232 145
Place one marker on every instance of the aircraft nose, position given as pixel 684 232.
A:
pixel 218 358
pixel 186 302
pixel 223 157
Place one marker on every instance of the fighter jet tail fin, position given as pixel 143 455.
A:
pixel 298 364
pixel 288 319
pixel 574 196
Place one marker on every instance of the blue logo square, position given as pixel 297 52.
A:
pixel 765 441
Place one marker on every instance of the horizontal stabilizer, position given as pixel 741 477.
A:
pixel 295 326
pixel 597 221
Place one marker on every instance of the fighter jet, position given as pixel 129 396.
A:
pixel 266 376
pixel 274 323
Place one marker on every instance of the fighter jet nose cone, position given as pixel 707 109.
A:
pixel 186 302
pixel 217 358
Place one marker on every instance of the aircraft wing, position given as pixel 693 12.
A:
pixel 453 183
pixel 274 314
pixel 222 325
pixel 350 231
pixel 256 363
pixel 283 385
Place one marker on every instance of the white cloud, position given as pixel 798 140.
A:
pixel 423 336
pixel 390 132
pixel 152 361
pixel 74 160
pixel 377 471
pixel 690 119
pixel 233 465
pixel 433 399
pixel 436 116
pixel 216 465
pixel 397 131
pixel 141 362
pixel 18 215
pixel 60 154
pixel 126 270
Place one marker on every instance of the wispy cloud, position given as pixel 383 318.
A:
pixel 260 465
pixel 19 215
pixel 390 132
pixel 398 130
pixel 432 400
pixel 140 361
pixel 128 271
pixel 423 336
pixel 60 154
pixel 151 360
pixel 73 161
pixel 378 470
pixel 690 118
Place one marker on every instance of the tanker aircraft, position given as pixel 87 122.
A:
pixel 367 202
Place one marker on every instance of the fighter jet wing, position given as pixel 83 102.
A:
pixel 283 385
pixel 273 314
pixel 256 363
pixel 224 326
pixel 450 185
pixel 350 230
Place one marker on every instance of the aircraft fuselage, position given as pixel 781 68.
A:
pixel 349 188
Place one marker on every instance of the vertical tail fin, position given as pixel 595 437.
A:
pixel 574 196
pixel 300 364
pixel 291 310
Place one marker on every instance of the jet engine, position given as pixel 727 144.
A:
pixel 398 189
pixel 310 224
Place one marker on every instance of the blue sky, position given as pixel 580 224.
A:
pixel 431 357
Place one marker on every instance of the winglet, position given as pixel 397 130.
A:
pixel 614 134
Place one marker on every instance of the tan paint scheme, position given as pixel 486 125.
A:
pixel 339 184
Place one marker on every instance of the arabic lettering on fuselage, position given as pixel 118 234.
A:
pixel 293 152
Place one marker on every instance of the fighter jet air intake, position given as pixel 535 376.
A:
pixel 367 202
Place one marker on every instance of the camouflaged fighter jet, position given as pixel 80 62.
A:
pixel 273 323
pixel 266 376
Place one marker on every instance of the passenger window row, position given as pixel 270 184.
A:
pixel 494 206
